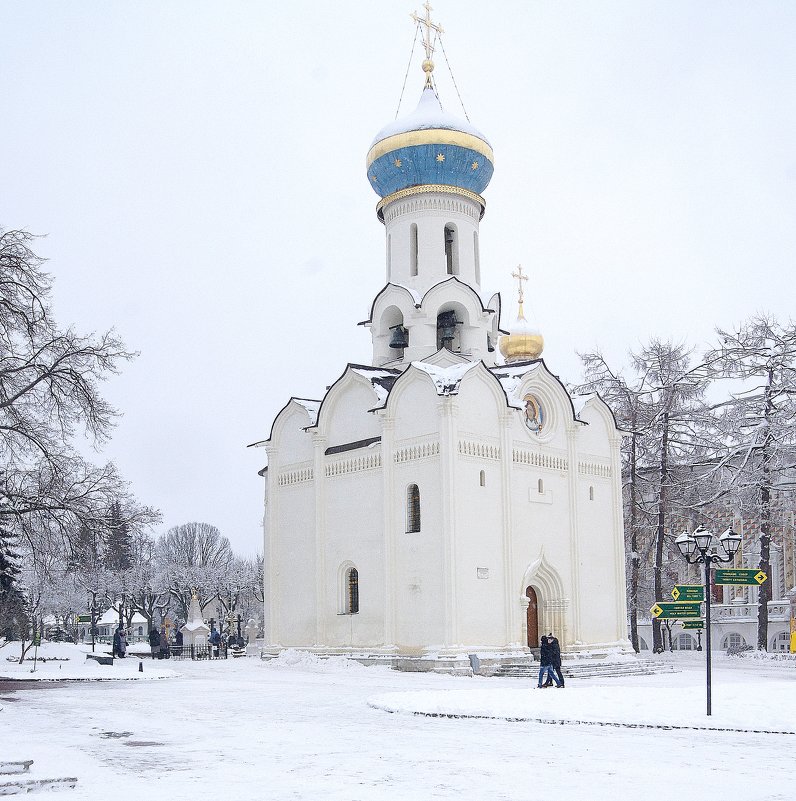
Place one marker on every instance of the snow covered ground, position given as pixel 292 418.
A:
pixel 299 728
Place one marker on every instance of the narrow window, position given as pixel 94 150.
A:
pixel 540 486
pixel 451 251
pixel 389 256
pixel 352 586
pixel 412 509
pixel 477 258
pixel 591 493
pixel 482 479
pixel 413 249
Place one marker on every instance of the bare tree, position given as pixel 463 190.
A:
pixel 49 392
pixel 758 422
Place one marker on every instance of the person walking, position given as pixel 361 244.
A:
pixel 546 668
pixel 555 655
pixel 164 644
pixel 117 642
pixel 154 641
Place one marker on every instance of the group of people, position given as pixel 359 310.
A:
pixel 159 642
pixel 120 642
pixel 550 663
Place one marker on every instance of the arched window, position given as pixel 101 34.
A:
pixel 684 642
pixel 352 591
pixel 477 256
pixel 451 250
pixel 413 249
pixel 591 493
pixel 540 486
pixel 733 641
pixel 412 509
pixel 482 479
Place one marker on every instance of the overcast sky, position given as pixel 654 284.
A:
pixel 198 169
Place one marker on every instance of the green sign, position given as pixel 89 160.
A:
pixel 678 609
pixel 693 624
pixel 37 639
pixel 84 618
pixel 753 577
pixel 688 592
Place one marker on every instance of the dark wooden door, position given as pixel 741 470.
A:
pixel 533 618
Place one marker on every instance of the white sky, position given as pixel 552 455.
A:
pixel 199 171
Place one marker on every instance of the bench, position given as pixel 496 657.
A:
pixel 103 659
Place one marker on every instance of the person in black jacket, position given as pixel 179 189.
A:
pixel 154 641
pixel 555 657
pixel 546 664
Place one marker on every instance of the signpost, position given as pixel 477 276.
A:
pixel 676 610
pixel 688 592
pixel 751 577
pixel 693 624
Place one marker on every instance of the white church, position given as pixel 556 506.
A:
pixel 442 501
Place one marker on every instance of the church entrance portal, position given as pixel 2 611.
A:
pixel 533 617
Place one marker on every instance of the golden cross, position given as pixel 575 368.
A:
pixel 428 64
pixel 520 278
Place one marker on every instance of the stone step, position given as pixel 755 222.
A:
pixel 588 669
pixel 9 768
pixel 24 786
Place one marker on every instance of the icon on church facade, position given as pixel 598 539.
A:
pixel 534 414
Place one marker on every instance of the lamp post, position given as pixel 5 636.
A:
pixel 699 548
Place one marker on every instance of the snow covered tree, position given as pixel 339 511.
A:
pixel 49 393
pixel 118 541
pixel 13 615
pixel 759 424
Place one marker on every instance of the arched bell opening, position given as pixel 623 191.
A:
pixel 392 337
pixel 451 320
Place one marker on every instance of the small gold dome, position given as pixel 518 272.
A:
pixel 523 343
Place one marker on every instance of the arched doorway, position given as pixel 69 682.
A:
pixel 533 617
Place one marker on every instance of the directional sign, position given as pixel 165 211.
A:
pixel 753 577
pixel 693 624
pixel 679 609
pixel 688 592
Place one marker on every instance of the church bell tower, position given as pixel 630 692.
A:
pixel 429 169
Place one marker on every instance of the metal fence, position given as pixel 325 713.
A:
pixel 219 651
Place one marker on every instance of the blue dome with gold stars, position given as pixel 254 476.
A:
pixel 429 147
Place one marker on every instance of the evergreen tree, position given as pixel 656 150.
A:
pixel 13 617
pixel 118 541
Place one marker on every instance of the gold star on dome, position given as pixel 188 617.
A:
pixel 397 162
pixel 373 178
pixel 440 157
pixel 474 165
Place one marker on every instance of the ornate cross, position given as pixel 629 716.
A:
pixel 520 278
pixel 428 64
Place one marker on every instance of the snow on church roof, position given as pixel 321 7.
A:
pixel 381 380
pixel 446 379
pixel 311 407
pixel 579 401
pixel 511 377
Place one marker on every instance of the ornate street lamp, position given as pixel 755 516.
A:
pixel 699 548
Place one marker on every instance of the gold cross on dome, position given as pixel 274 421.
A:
pixel 520 278
pixel 428 43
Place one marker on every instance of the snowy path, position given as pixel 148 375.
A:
pixel 249 730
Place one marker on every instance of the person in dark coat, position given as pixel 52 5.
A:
pixel 555 655
pixel 164 644
pixel 546 664
pixel 154 642
pixel 117 643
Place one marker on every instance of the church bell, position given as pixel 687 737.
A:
pixel 400 337
pixel 446 325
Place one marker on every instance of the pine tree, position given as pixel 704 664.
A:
pixel 118 541
pixel 13 618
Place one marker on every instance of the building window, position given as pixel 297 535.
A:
pixel 684 642
pixel 352 591
pixel 540 486
pixel 482 479
pixel 591 493
pixel 412 509
pixel 413 249
pixel 733 641
pixel 477 259
pixel 389 256
pixel 451 250
pixel 781 642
